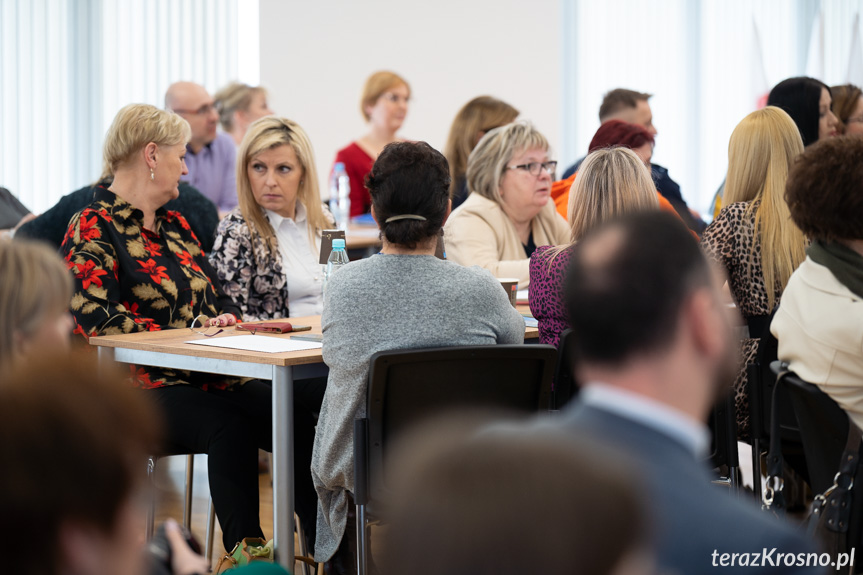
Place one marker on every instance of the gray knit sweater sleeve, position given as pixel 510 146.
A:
pixel 381 303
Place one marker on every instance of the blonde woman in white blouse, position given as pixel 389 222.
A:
pixel 266 255
pixel 266 250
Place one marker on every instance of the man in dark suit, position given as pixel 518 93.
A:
pixel 654 351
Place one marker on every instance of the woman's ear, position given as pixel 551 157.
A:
pixel 150 152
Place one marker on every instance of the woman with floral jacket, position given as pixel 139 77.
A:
pixel 138 267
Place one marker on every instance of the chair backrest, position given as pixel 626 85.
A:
pixel 761 381
pixel 823 430
pixel 824 434
pixel 565 385
pixel 407 386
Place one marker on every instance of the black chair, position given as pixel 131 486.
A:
pixel 761 382
pixel 824 434
pixel 565 385
pixel 823 427
pixel 407 386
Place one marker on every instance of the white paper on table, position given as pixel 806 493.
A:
pixel 260 343
pixel 530 322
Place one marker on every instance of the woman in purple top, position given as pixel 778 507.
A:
pixel 610 183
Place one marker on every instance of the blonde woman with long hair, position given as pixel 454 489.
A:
pixel 611 182
pixel 266 255
pixel 266 250
pixel 753 237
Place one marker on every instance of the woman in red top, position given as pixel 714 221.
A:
pixel 384 106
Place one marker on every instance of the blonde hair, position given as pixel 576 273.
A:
pixel 760 152
pixel 610 182
pixel 477 116
pixel 235 96
pixel 265 134
pixel 487 162
pixel 376 85
pixel 135 126
pixel 34 285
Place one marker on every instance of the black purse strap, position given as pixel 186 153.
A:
pixel 835 503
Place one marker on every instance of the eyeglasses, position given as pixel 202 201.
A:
pixel 858 119
pixel 202 111
pixel 534 168
pixel 206 330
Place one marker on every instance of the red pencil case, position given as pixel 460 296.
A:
pixel 271 327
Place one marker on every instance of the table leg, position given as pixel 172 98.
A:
pixel 283 466
pixel 106 358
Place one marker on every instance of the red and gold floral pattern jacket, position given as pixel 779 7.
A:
pixel 130 279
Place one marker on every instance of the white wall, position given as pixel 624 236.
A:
pixel 315 57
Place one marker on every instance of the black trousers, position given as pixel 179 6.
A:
pixel 230 427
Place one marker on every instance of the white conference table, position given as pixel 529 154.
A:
pixel 168 348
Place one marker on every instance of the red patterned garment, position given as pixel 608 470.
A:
pixel 130 279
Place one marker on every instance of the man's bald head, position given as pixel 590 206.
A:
pixel 627 285
pixel 179 94
pixel 195 105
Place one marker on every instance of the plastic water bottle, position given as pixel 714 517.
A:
pixel 340 196
pixel 337 260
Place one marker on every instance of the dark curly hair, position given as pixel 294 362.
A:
pixel 409 178
pixel 824 189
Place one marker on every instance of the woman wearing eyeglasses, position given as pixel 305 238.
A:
pixel 138 267
pixel 384 106
pixel 508 212
pixel 848 108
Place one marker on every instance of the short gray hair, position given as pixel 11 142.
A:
pixel 488 160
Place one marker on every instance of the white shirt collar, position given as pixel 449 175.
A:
pixel 276 220
pixel 693 434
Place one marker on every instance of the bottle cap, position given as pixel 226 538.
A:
pixel 338 243
pixel 339 166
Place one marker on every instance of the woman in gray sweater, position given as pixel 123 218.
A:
pixel 403 297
